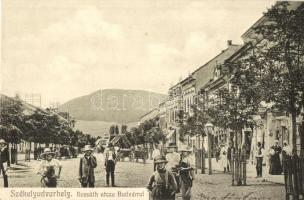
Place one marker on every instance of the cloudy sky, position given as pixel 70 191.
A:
pixel 68 48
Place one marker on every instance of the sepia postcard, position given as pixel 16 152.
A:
pixel 152 99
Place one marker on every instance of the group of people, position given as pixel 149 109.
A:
pixel 275 154
pixel 172 174
pixel 50 167
pixel 224 156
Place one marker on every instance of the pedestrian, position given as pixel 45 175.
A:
pixel 162 183
pixel 4 161
pixel 286 151
pixel 223 158
pixel 110 162
pixel 155 153
pixel 49 169
pixel 259 160
pixel 229 156
pixel 217 153
pixel 275 161
pixel 86 167
pixel 173 158
pixel 186 173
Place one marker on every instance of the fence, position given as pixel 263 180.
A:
pixel 294 177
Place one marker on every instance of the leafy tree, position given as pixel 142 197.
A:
pixel 194 124
pixel 279 56
pixel 116 130
pixel 12 122
pixel 124 128
pixel 112 130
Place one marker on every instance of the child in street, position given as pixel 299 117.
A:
pixel 49 168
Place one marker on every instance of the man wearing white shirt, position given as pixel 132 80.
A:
pixel 155 154
pixel 259 159
pixel 110 161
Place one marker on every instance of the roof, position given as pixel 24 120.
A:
pixel 204 74
pixel 215 58
pixel 30 109
pixel 151 111
pixel 293 5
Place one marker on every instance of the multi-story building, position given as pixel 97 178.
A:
pixel 268 127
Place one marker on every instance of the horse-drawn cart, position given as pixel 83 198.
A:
pixel 125 153
pixel 141 154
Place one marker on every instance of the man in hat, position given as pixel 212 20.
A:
pixel 110 162
pixel 86 167
pixel 162 183
pixel 4 161
pixel 49 168
pixel 259 159
pixel 186 173
pixel 155 153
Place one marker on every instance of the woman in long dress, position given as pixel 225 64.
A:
pixel 223 158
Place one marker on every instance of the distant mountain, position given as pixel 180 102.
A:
pixel 112 105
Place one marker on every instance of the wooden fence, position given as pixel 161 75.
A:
pixel 294 177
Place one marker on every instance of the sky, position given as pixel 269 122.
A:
pixel 63 49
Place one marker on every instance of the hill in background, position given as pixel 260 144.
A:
pixel 112 105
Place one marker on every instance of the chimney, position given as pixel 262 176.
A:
pixel 229 43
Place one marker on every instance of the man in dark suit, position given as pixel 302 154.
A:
pixel 86 168
pixel 4 161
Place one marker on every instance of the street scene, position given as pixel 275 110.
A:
pixel 186 99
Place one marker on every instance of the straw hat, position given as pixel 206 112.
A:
pixel 160 159
pixel 2 141
pixel 87 148
pixel 47 151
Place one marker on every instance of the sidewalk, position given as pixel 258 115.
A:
pixel 251 172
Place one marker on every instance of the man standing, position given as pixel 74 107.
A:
pixel 162 183
pixel 110 161
pixel 186 172
pixel 259 159
pixel 86 167
pixel 229 157
pixel 4 161
pixel 155 153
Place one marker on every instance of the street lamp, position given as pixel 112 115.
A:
pixel 209 127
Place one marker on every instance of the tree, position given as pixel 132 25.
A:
pixel 195 123
pixel 279 56
pixel 112 130
pixel 12 123
pixel 124 128
pixel 116 130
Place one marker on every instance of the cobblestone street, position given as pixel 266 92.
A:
pixel 132 174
